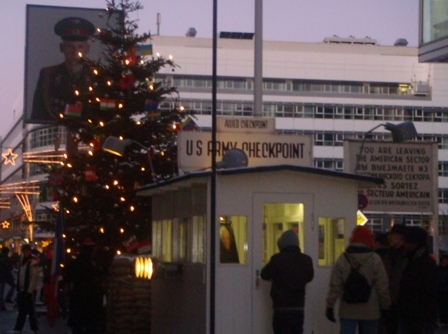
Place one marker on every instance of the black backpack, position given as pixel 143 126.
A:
pixel 356 287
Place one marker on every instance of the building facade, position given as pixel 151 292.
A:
pixel 433 37
pixel 336 90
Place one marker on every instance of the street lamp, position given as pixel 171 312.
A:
pixel 118 147
pixel 400 133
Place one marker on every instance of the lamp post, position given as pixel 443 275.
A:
pixel 400 133
pixel 213 177
pixel 118 147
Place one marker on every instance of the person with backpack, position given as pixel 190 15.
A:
pixel 359 281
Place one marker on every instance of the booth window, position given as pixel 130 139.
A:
pixel 198 239
pixel 331 240
pixel 233 239
pixel 162 236
pixel 180 240
pixel 157 239
pixel 278 218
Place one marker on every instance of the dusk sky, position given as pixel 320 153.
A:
pixel 283 20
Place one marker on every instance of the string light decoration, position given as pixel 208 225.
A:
pixel 21 188
pixel 10 157
pixel 124 98
pixel 5 203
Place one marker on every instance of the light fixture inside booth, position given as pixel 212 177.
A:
pixel 118 147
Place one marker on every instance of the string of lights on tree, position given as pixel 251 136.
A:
pixel 122 99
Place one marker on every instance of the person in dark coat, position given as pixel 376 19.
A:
pixel 395 266
pixel 417 296
pixel 442 291
pixel 6 266
pixel 381 247
pixel 86 297
pixel 26 288
pixel 289 271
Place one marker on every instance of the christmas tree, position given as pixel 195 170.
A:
pixel 122 100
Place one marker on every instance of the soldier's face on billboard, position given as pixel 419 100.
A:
pixel 72 51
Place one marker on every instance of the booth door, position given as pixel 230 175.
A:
pixel 273 214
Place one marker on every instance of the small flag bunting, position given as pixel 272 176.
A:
pixel 154 115
pixel 188 124
pixel 151 105
pixel 73 110
pixel 90 173
pixel 107 104
pixel 145 49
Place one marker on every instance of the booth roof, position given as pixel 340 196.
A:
pixel 363 179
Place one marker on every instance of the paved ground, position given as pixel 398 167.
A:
pixel 8 320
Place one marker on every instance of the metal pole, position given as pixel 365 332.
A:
pixel 258 59
pixel 213 178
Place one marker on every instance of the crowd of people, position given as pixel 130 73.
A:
pixel 408 290
pixel 26 280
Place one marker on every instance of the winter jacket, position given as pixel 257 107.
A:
pixel 28 275
pixel 373 269
pixel 398 263
pixel 417 298
pixel 290 271
pixel 6 266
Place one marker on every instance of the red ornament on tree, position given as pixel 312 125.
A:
pixel 127 80
pixel 90 173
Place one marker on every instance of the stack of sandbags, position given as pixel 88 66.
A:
pixel 128 299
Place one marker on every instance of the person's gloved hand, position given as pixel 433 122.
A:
pixel 330 314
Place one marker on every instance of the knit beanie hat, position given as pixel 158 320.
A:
pixel 288 238
pixel 417 236
pixel 362 234
pixel 398 229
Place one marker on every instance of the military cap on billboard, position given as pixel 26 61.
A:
pixel 74 29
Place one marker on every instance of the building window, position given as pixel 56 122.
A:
pixel 233 239
pixel 331 240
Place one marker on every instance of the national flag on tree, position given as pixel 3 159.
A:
pixel 73 110
pixel 145 49
pixel 107 104
pixel 188 125
pixel 151 106
pixel 90 173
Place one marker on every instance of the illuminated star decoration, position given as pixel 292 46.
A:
pixel 5 224
pixel 10 157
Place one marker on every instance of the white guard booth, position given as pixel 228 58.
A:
pixel 254 206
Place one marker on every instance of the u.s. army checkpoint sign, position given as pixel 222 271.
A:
pixel 262 149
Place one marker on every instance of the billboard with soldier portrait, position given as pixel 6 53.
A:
pixel 55 38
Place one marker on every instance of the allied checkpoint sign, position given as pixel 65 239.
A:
pixel 262 149
pixel 409 169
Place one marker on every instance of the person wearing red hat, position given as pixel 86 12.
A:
pixel 55 90
pixel 365 315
